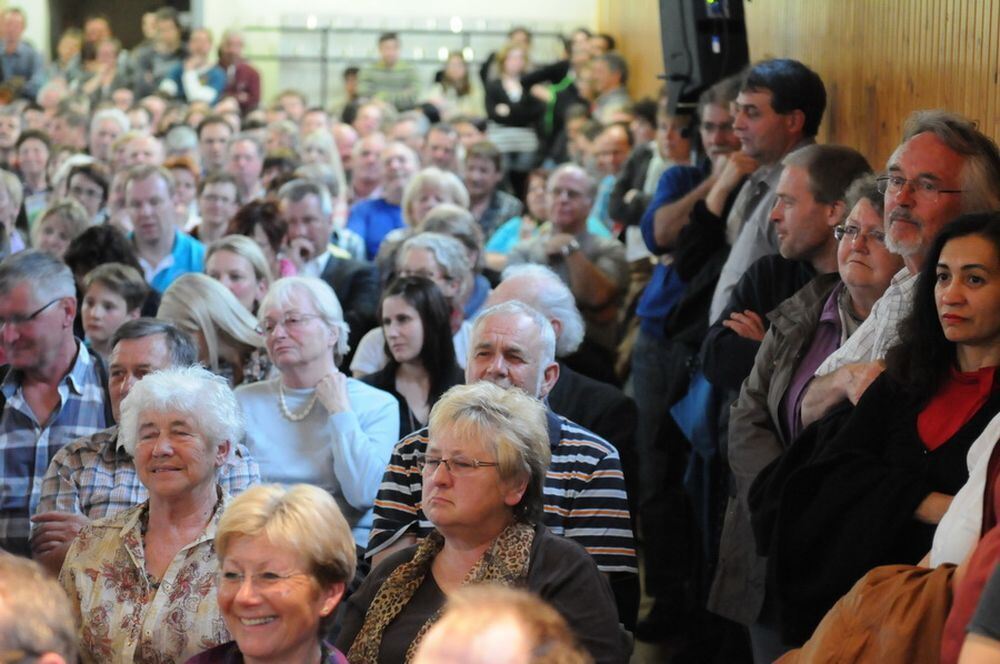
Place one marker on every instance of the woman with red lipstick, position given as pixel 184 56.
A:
pixel 874 490
pixel 483 472
pixel 417 329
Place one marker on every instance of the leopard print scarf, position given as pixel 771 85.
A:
pixel 504 563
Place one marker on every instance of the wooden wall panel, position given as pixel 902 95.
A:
pixel 635 25
pixel 880 59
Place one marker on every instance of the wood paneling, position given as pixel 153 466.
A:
pixel 880 59
pixel 883 59
pixel 635 25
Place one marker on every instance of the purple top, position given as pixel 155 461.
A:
pixel 229 653
pixel 825 340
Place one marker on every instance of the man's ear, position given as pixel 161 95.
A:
pixel 549 379
pixel 795 121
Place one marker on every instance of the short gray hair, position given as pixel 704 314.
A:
pixel 113 114
pixel 981 173
pixel 180 139
pixel 179 344
pixel 448 253
pixel 546 333
pixel 248 137
pixel 323 299
pixel 509 423
pixel 35 614
pixel 296 190
pixel 194 391
pixel 49 277
pixel 547 293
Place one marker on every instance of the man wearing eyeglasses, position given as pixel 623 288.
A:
pixel 943 168
pixel 52 390
pixel 513 346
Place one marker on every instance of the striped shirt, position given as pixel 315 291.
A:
pixel 27 448
pixel 880 331
pixel 585 497
pixel 96 477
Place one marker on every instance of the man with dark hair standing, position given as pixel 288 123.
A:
pixel 389 79
pixel 610 74
pixel 778 109
pixel 23 67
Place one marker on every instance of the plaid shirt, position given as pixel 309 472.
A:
pixel 96 477
pixel 27 448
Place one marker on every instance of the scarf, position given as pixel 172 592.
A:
pixel 504 563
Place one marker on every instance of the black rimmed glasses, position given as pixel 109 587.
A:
pixel 924 188
pixel 21 320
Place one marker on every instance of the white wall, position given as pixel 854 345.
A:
pixel 369 18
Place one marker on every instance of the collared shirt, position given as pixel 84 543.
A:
pixel 829 335
pixel 25 62
pixel 316 266
pixel 125 617
pixel 27 447
pixel 749 222
pixel 186 255
pixel 585 498
pixel 880 331
pixel 373 219
pixel 502 207
pixel 96 477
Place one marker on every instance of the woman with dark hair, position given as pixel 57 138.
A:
pixel 416 324
pixel 261 221
pixel 870 490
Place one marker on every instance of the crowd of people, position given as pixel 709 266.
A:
pixel 423 375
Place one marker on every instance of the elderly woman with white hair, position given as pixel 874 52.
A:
pixel 294 549
pixel 444 261
pixel 312 424
pixel 483 477
pixel 142 582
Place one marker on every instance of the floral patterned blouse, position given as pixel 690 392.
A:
pixel 123 615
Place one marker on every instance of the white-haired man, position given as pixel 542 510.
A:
pixel 513 346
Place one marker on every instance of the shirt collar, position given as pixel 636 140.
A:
pixel 75 379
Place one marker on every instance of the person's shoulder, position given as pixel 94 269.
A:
pixel 564 553
pixel 94 444
pixel 371 396
pixel 585 443
pixel 249 391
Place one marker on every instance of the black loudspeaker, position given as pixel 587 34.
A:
pixel 703 41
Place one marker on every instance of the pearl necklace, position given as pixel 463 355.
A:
pixel 294 417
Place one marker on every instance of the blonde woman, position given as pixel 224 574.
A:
pixel 57 226
pixel 294 548
pixel 239 264
pixel 226 333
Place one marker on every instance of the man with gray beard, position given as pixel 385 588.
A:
pixel 944 167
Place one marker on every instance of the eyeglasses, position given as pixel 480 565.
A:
pixel 457 466
pixel 925 189
pixel 21 320
pixel 426 274
pixel 853 232
pixel 289 321
pixel 262 581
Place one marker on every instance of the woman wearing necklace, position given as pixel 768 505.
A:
pixel 415 322
pixel 312 424
pixel 142 583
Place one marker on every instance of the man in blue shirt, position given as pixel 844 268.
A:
pixel 164 252
pixel 374 218
pixel 23 66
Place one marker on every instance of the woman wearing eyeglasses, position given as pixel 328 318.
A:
pixel 312 424
pixel 765 420
pixel 483 474
pixel 285 557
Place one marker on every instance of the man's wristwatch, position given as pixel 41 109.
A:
pixel 569 248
